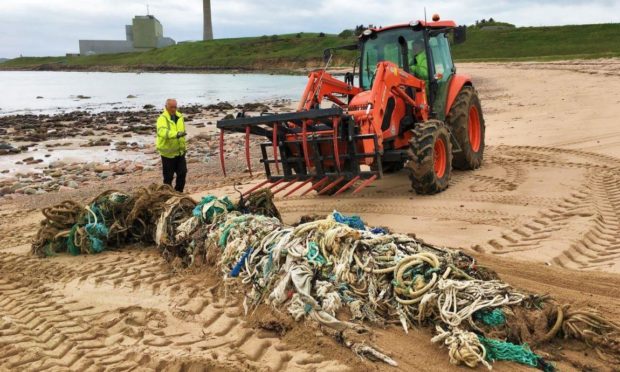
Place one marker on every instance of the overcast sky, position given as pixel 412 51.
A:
pixel 53 27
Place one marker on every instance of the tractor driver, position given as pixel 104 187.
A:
pixel 418 65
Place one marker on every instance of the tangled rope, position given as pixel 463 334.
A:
pixel 113 218
pixel 55 228
pixel 463 347
pixel 320 267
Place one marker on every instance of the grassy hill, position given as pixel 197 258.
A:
pixel 292 51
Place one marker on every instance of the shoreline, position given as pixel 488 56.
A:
pixel 49 67
pixel 41 154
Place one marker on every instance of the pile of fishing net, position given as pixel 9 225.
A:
pixel 111 219
pixel 325 269
pixel 329 269
pixel 154 214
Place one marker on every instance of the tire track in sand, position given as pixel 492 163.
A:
pixel 151 312
pixel 41 331
pixel 599 246
pixel 588 219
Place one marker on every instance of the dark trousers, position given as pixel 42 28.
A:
pixel 171 166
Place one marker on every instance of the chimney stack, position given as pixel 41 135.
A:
pixel 208 25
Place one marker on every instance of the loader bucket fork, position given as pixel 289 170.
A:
pixel 318 147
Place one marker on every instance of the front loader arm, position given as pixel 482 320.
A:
pixel 323 85
pixel 392 81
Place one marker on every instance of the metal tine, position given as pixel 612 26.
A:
pixel 365 183
pixel 304 142
pixel 247 149
pixel 316 185
pixel 335 141
pixel 274 141
pixel 276 183
pixel 331 185
pixel 347 186
pixel 298 187
pixel 222 152
pixel 256 187
pixel 285 186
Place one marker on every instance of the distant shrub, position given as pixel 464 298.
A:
pixel 299 35
pixel 264 37
pixel 274 37
pixel 322 34
pixel 346 33
pixel 491 23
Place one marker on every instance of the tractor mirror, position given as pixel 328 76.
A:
pixel 460 34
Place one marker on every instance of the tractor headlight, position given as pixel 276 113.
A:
pixel 367 32
pixel 414 23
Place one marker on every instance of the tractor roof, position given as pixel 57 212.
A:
pixel 437 24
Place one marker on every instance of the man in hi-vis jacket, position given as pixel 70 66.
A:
pixel 171 144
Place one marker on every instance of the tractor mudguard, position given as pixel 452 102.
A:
pixel 456 84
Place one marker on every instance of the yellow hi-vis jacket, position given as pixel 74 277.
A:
pixel 167 143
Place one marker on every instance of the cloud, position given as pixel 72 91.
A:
pixel 53 27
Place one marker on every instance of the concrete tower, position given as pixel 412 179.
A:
pixel 208 25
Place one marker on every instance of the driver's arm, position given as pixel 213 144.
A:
pixel 420 66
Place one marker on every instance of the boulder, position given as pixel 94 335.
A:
pixel 106 174
pixel 57 164
pixel 28 191
pixel 101 168
pixel 65 189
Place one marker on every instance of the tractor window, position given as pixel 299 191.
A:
pixel 441 56
pixel 440 48
pixel 384 46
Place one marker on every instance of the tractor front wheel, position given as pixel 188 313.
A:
pixel 467 125
pixel 430 157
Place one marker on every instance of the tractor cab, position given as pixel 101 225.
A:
pixel 419 48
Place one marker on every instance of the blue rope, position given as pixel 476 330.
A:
pixel 314 256
pixel 351 221
pixel 239 265
pixel 379 230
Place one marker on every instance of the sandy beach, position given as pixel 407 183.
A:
pixel 543 211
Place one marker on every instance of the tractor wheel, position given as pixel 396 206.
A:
pixel 467 124
pixel 430 157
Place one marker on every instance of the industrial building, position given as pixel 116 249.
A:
pixel 145 33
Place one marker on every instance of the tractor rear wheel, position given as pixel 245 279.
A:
pixel 466 122
pixel 430 157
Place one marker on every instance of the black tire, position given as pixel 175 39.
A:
pixel 424 179
pixel 458 121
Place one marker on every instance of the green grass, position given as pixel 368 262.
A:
pixel 540 43
pixel 266 52
pixel 288 52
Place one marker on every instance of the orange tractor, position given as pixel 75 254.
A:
pixel 409 109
